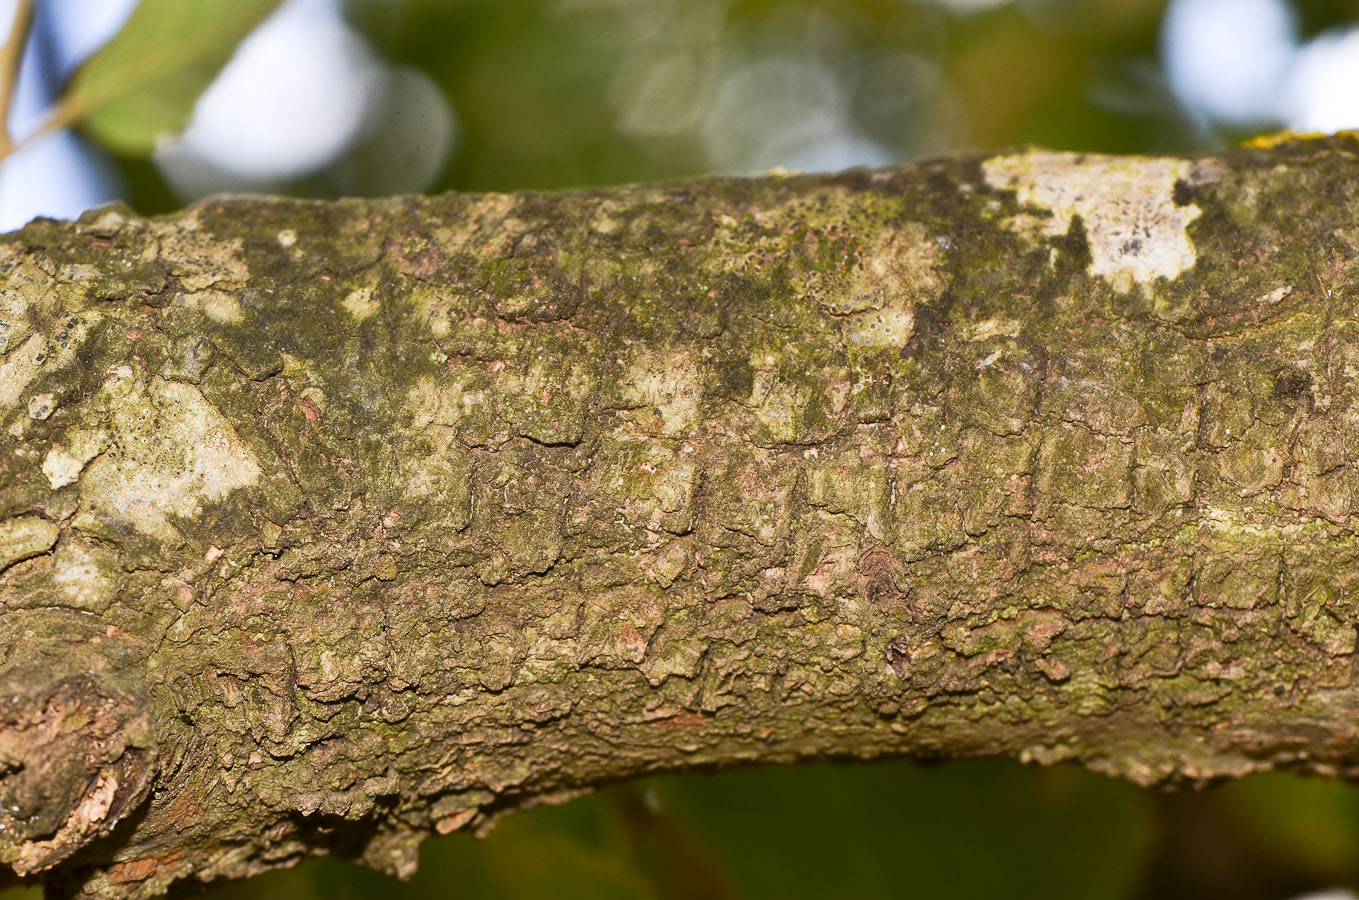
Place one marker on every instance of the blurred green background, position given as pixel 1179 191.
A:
pixel 382 96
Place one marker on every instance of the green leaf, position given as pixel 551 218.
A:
pixel 144 82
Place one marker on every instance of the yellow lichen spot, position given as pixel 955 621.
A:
pixel 1135 231
pixel 1287 136
pixel 174 453
pixel 666 388
pixel 360 303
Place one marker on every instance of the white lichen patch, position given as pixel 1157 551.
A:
pixel 851 485
pixel 170 453
pixel 664 388
pixel 360 303
pixel 545 400
pixel 1135 231
pixel 484 215
pixel 893 276
pixel 86 572
pixel 25 536
pixel 40 406
pixel 445 402
pixel 198 260
pixel 656 485
pixel 779 405
pixel 20 369
pixel 65 461
pixel 1238 524
pixel 14 327
pixel 990 328
pixel 444 476
pixel 41 353
pixel 286 238
pixel 219 306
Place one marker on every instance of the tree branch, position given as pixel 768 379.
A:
pixel 326 525
pixel 11 57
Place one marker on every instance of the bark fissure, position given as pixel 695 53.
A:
pixel 324 526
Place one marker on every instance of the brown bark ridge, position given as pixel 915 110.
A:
pixel 327 525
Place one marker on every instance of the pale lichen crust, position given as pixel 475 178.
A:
pixel 163 451
pixel 1136 230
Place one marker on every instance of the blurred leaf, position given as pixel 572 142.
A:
pixel 676 858
pixel 1312 823
pixel 979 828
pixel 143 83
pixel 562 866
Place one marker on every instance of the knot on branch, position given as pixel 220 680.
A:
pixel 77 754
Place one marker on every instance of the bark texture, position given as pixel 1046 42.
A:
pixel 326 525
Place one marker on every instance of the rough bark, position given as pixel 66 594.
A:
pixel 326 525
